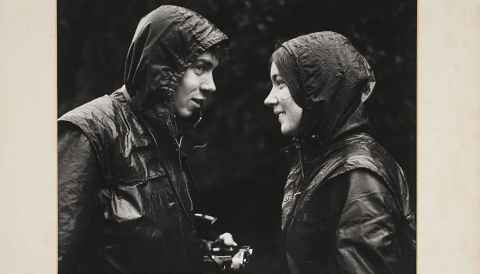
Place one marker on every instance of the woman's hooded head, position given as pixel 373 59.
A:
pixel 329 79
pixel 165 43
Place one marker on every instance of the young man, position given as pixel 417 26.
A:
pixel 124 202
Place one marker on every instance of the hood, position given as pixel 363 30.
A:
pixel 165 43
pixel 330 80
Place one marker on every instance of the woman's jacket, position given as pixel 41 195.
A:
pixel 345 198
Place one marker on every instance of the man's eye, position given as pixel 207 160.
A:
pixel 199 69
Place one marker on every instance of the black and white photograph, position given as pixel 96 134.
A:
pixel 237 136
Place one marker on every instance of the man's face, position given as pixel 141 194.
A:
pixel 196 85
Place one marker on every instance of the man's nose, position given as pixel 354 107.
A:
pixel 208 84
pixel 270 100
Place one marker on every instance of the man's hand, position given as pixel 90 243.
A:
pixel 239 259
pixel 226 239
pixel 236 261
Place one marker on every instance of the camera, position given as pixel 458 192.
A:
pixel 227 257
pixel 218 256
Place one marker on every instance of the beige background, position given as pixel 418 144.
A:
pixel 448 141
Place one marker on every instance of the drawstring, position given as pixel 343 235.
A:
pixel 179 150
pixel 179 144
pixel 180 162
pixel 179 155
pixel 200 118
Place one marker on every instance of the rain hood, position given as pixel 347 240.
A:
pixel 165 43
pixel 330 80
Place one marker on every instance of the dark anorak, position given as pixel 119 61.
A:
pixel 124 202
pixel 345 193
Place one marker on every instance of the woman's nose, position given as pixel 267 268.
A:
pixel 270 100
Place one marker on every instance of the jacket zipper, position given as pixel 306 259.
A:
pixel 298 148
pixel 175 192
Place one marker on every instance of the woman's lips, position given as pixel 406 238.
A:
pixel 279 115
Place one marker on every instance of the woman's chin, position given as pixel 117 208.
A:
pixel 285 131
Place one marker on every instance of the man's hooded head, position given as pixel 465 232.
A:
pixel 329 79
pixel 165 43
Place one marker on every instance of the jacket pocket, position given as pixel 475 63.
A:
pixel 126 203
pixel 130 200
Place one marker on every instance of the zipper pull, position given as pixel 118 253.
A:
pixel 298 147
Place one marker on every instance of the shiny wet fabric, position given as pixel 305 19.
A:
pixel 343 218
pixel 134 204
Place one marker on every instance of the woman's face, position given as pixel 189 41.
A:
pixel 282 103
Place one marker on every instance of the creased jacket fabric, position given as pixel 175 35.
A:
pixel 345 193
pixel 124 202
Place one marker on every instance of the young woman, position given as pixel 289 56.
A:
pixel 346 200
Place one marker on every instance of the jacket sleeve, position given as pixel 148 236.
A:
pixel 366 228
pixel 78 176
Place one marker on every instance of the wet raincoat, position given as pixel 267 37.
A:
pixel 124 202
pixel 345 194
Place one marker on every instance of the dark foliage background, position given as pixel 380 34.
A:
pixel 240 177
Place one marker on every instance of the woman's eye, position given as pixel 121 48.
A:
pixel 281 84
pixel 278 82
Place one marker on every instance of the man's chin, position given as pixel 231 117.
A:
pixel 190 116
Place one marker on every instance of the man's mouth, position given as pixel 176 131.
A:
pixel 198 103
